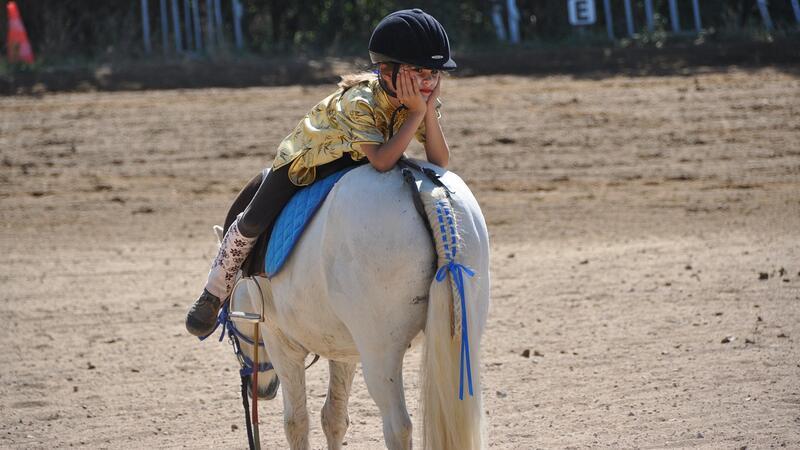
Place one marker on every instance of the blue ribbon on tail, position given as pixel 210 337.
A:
pixel 457 271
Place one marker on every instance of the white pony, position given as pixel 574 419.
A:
pixel 360 286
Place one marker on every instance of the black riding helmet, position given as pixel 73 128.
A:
pixel 411 36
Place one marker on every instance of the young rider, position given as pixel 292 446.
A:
pixel 372 116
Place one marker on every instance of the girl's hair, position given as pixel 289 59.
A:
pixel 353 79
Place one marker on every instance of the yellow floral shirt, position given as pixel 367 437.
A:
pixel 340 124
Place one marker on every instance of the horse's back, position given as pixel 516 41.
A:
pixel 361 271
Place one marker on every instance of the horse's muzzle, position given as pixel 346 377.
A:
pixel 269 392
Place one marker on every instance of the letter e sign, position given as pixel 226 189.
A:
pixel 581 12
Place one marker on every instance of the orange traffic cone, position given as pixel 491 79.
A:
pixel 19 48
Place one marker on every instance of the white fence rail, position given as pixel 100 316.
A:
pixel 187 31
pixel 674 15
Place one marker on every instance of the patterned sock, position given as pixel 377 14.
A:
pixel 232 252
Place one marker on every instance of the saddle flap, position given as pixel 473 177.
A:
pixel 294 218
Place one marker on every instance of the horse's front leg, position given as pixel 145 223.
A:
pixel 334 414
pixel 288 359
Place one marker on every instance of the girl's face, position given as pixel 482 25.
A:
pixel 427 79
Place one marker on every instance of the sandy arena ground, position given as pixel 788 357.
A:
pixel 632 221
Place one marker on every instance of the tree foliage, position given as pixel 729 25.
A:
pixel 95 28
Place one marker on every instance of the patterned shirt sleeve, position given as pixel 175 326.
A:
pixel 358 119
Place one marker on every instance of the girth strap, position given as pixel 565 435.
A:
pixel 411 181
pixel 429 173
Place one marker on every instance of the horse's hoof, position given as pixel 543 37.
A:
pixel 202 316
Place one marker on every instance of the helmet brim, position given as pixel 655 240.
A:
pixel 447 66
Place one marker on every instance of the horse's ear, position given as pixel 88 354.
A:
pixel 218 233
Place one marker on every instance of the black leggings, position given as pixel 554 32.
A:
pixel 262 199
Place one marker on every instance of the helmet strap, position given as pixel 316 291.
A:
pixel 389 91
pixel 394 120
pixel 395 70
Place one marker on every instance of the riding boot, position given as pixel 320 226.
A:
pixel 233 250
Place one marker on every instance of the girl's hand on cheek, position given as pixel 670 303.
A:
pixel 408 93
pixel 432 100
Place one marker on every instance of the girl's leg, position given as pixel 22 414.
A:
pixel 243 199
pixel 272 195
pixel 276 191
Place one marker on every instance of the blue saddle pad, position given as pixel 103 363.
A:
pixel 294 218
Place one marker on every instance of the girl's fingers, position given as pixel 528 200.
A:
pixel 414 86
pixel 400 87
pixel 406 88
pixel 409 87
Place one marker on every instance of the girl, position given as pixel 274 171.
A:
pixel 370 117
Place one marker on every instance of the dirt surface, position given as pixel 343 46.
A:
pixel 646 261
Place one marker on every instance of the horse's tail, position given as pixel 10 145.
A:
pixel 451 389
